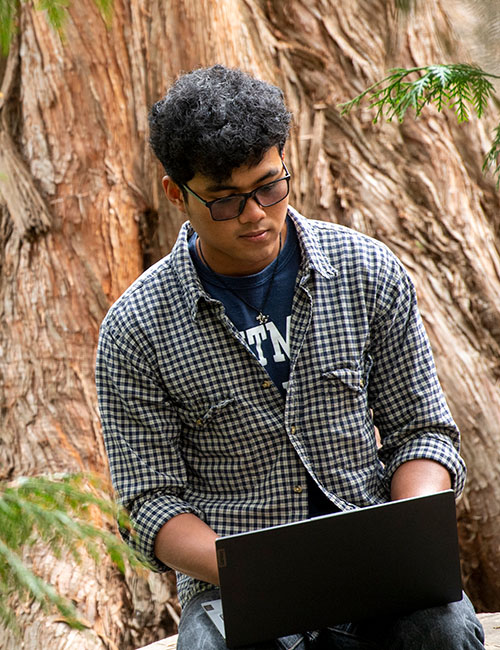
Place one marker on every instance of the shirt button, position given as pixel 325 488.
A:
pixel 267 383
pixel 293 429
pixel 297 489
pixel 199 422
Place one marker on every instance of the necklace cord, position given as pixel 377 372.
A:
pixel 261 317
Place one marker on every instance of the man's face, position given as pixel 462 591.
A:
pixel 250 242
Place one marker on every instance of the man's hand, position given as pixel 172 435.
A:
pixel 187 544
pixel 419 477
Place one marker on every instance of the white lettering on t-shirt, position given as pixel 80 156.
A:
pixel 256 336
pixel 280 344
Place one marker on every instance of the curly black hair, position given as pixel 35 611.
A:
pixel 213 120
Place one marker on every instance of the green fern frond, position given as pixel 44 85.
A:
pixel 29 584
pixel 482 92
pixel 492 159
pixel 461 87
pixel 455 85
pixel 441 73
pixel 69 513
pixel 459 99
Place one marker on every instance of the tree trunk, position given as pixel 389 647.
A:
pixel 81 215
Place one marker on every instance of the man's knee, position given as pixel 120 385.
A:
pixel 196 630
pixel 454 626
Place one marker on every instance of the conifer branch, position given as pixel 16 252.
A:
pixel 463 88
pixel 66 513
pixel 492 159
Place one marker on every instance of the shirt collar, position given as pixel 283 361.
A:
pixel 312 255
pixel 186 272
pixel 312 251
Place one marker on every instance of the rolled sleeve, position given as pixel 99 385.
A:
pixel 147 519
pixel 435 447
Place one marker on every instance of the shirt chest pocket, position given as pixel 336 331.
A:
pixel 345 389
pixel 352 373
pixel 351 380
pixel 230 427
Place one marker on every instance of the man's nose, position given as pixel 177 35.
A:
pixel 252 211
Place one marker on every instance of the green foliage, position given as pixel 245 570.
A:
pixel 69 513
pixel 404 5
pixel 492 158
pixel 458 86
pixel 8 9
pixel 106 9
pixel 55 10
pixel 455 85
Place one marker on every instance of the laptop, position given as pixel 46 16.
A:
pixel 381 560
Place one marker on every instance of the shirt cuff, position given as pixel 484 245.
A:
pixel 147 522
pixel 431 447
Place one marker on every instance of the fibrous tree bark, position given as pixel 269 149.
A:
pixel 81 215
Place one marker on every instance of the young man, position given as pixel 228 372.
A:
pixel 240 378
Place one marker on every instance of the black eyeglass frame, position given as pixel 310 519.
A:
pixel 244 196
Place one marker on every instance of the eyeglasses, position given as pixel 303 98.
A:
pixel 230 207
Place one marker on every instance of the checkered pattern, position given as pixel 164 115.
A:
pixel 192 424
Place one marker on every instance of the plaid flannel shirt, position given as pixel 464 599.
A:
pixel 192 423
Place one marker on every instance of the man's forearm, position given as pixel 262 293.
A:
pixel 187 544
pixel 419 477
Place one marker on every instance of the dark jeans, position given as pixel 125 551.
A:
pixel 450 627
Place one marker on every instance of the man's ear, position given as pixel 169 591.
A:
pixel 174 193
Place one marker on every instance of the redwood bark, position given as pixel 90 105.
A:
pixel 81 215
